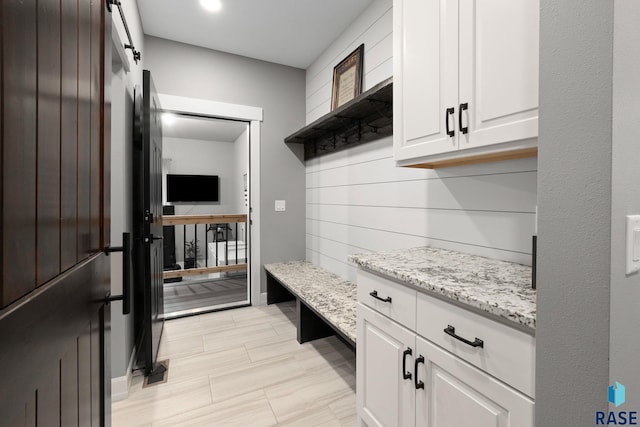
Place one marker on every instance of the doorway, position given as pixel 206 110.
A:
pixel 253 116
pixel 206 209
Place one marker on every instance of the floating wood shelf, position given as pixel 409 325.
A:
pixel 365 118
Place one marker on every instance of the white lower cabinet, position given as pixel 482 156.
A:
pixel 457 394
pixel 406 380
pixel 385 397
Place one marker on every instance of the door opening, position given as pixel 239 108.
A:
pixel 205 170
pixel 253 116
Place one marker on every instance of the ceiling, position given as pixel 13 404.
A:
pixel 288 32
pixel 206 129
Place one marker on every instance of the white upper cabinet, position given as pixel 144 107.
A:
pixel 465 79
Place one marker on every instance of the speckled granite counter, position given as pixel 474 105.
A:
pixel 497 287
pixel 326 292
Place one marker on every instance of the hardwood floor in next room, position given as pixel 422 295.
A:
pixel 189 295
pixel 244 367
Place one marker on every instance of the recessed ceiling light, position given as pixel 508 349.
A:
pixel 211 5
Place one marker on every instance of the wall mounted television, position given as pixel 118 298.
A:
pixel 192 188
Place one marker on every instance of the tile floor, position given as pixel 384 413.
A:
pixel 244 367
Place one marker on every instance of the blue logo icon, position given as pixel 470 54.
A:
pixel 616 394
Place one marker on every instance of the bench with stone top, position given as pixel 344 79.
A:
pixel 325 302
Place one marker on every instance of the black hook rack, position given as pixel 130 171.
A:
pixel 365 118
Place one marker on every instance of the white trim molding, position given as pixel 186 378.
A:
pixel 181 104
pixel 253 116
pixel 120 385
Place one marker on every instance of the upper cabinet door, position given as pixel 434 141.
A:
pixel 425 76
pixel 498 70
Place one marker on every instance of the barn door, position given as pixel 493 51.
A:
pixel 148 248
pixel 54 274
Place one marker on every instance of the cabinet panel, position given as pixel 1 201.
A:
pixel 507 353
pixel 19 149
pixel 384 397
pixel 466 81
pixel 48 141
pixel 425 76
pixel 401 308
pixel 499 70
pixel 457 394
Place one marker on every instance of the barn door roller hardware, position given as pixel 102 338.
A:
pixel 136 53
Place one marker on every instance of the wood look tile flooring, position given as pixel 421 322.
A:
pixel 244 367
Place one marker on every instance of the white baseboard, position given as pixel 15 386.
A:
pixel 120 388
pixel 120 385
pixel 263 298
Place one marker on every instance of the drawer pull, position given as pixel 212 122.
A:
pixel 418 384
pixel 451 331
pixel 375 295
pixel 406 375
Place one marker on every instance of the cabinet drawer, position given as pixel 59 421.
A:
pixel 402 304
pixel 506 353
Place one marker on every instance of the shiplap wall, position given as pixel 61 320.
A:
pixel 374 28
pixel 357 200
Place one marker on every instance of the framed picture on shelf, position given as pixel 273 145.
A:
pixel 347 78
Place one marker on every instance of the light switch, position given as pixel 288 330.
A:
pixel 636 244
pixel 633 244
pixel 281 205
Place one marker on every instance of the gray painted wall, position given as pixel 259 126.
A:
pixel 625 291
pixel 195 156
pixel 574 211
pixel 199 157
pixel 189 71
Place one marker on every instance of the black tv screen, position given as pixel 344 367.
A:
pixel 192 188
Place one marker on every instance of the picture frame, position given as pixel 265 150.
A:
pixel 347 78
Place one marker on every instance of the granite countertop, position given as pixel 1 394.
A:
pixel 497 287
pixel 328 293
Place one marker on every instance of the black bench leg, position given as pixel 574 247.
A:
pixel 310 325
pixel 276 292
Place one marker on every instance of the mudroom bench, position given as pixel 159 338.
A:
pixel 325 302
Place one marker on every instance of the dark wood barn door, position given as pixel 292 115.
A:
pixel 54 218
pixel 147 228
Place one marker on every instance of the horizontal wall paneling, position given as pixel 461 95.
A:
pixel 373 28
pixel 357 200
